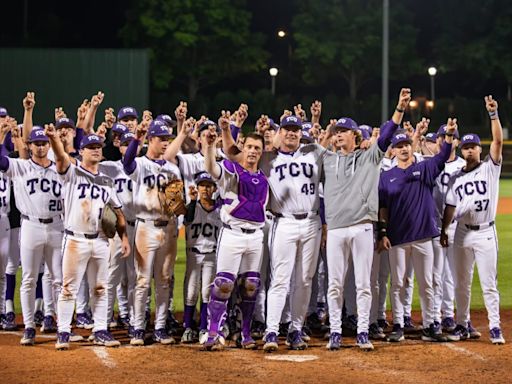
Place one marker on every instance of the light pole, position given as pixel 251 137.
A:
pixel 432 72
pixel 273 73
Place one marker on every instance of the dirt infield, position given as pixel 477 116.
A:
pixel 412 361
pixel 505 206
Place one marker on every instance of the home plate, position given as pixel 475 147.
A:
pixel 293 358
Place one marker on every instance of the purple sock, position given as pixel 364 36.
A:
pixel 10 286
pixel 247 308
pixel 203 322
pixel 188 316
pixel 248 285
pixel 39 287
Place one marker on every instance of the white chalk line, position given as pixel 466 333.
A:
pixel 102 354
pixel 292 358
pixel 464 351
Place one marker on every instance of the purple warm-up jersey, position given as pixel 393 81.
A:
pixel 407 194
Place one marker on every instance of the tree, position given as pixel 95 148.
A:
pixel 195 42
pixel 342 40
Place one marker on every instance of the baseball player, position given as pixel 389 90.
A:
pixel 121 267
pixel 244 190
pixel 85 246
pixel 155 233
pixel 407 226
pixel 5 233
pixel 472 199
pixel 351 175
pixel 39 198
pixel 202 231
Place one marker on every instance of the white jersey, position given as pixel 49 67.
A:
pixel 386 164
pixel 5 195
pixel 475 193
pixel 38 189
pixel 123 185
pixel 442 183
pixel 190 164
pixel 202 233
pixel 85 197
pixel 148 177
pixel 294 180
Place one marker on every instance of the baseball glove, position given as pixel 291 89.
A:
pixel 109 221
pixel 172 198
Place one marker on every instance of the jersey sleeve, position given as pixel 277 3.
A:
pixel 13 168
pixel 450 197
pixel 114 201
pixel 383 193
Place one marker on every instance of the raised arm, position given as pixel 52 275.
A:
pixel 496 148
pixel 129 163
pixel 96 100
pixel 228 143
pixel 28 105
pixel 61 157
pixel 389 128
pixel 183 127
pixel 210 163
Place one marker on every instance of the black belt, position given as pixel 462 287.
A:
pixel 86 235
pixel 298 216
pixel 244 230
pixel 130 223
pixel 43 221
pixel 195 250
pixel 156 223
pixel 478 227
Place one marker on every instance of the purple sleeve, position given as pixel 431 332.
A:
pixel 79 134
pixel 322 211
pixel 234 131
pixel 435 164
pixel 8 142
pixel 4 161
pixel 386 133
pixel 382 192
pixel 129 163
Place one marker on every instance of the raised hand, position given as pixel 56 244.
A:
pixel 286 113
pixel 316 111
pixel 241 115
pixel 451 126
pixel 59 113
pixel 82 111
pixel 403 99
pixel 97 99
pixel 181 112
pixel 147 117
pixel 490 104
pixel 102 130
pixel 141 130
pixel 110 118
pixel 422 126
pixel 299 112
pixel 409 130
pixel 50 131
pixel 29 101
pixel 224 120
pixel 192 192
pixel 188 126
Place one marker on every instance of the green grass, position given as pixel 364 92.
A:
pixel 504 228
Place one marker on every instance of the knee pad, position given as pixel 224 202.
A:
pixel 223 285
pixel 249 284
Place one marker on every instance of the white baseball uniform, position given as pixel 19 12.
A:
pixel 5 234
pixel 475 196
pixel 85 246
pixel 155 238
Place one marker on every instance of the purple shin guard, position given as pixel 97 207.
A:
pixel 248 285
pixel 222 287
pixel 203 322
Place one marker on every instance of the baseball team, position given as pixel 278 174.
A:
pixel 290 228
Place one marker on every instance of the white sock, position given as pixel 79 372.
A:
pixel 39 304
pixel 9 306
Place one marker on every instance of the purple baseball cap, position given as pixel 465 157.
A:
pixel 400 138
pixel 127 112
pixel 158 128
pixel 64 122
pixel 442 131
pixel 127 138
pixel 346 123
pixel 291 121
pixel 3 112
pixel 120 128
pixel 203 176
pixel 90 140
pixel 307 137
pixel 37 134
pixel 470 138
pixel 431 136
pixel 306 126
pixel 366 131
pixel 273 125
pixel 206 124
pixel 168 120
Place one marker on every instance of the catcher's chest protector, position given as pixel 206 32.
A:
pixel 252 195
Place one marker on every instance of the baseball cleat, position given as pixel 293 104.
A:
pixel 75 338
pixel 375 332
pixel 203 336
pixel 295 342
pixel 138 337
pixel 270 340
pixel 397 334
pixel 473 332
pixel 38 318
pixel 433 333
pixel 248 343
pixel 189 336
pixel 84 321
pixel 105 338
pixel 123 321
pixel 448 324
pixel 284 329
pixel 363 342
pixel 409 325
pixel 112 323
pixel 214 342
pixel 383 324
pixel 496 336
pixel 62 341
pixel 49 325
pixel 10 322
pixel 131 331
pixel 161 336
pixel 29 337
pixel 460 333
pixel 335 341
pixel 305 333
pixel 257 329
pixel 313 321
